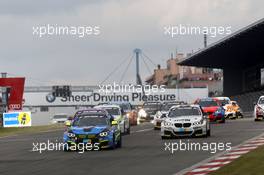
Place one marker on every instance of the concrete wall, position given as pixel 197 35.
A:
pixel 233 81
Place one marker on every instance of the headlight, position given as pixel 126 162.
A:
pixel 199 122
pixel 142 113
pixel 103 134
pixel 71 134
pixel 259 110
pixel 167 123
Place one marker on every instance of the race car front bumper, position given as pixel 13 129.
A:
pixel 103 142
pixel 178 132
pixel 216 118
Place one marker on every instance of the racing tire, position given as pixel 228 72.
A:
pixel 155 128
pixel 119 143
pixel 222 121
pixel 114 142
pixel 164 138
pixel 208 133
pixel 128 130
pixel 66 149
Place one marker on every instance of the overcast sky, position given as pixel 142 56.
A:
pixel 124 25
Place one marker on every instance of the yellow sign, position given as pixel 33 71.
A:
pixel 24 118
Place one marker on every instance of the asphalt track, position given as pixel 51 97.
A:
pixel 143 152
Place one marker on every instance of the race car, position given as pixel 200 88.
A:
pixel 259 109
pixel 223 101
pixel 185 120
pixel 233 111
pixel 211 106
pixel 220 114
pixel 161 114
pixel 119 116
pixel 148 110
pixel 129 111
pixel 59 118
pixel 92 127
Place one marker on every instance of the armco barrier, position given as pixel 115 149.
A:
pixel 246 101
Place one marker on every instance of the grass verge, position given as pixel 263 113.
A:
pixel 251 163
pixel 26 130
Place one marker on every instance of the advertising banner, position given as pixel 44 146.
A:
pixel 17 119
pixel 95 97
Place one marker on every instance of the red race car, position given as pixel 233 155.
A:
pixel 211 106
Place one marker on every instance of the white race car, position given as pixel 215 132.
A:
pixel 185 120
pixel 119 116
pixel 162 113
pixel 259 109
pixel 59 118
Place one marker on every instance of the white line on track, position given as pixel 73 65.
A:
pixel 227 157
pixel 245 148
pixel 217 163
pixel 237 152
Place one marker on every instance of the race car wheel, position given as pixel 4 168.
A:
pixel 208 133
pixel 128 130
pixel 66 148
pixel 222 121
pixel 114 142
pixel 119 143
pixel 165 138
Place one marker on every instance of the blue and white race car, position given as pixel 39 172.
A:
pixel 93 127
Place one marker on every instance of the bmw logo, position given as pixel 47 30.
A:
pixel 50 98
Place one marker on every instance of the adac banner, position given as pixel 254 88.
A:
pixel 17 119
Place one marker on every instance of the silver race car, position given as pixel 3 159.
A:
pixel 162 113
pixel 185 120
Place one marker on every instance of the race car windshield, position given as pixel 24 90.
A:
pixel 178 112
pixel 113 111
pixel 125 107
pixel 149 106
pixel 166 107
pixel 207 103
pixel 224 102
pixel 90 120
pixel 261 101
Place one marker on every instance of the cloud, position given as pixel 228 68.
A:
pixel 124 25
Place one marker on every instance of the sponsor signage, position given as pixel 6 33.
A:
pixel 16 119
pixel 95 97
pixel 14 92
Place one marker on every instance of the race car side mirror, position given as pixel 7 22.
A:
pixel 114 123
